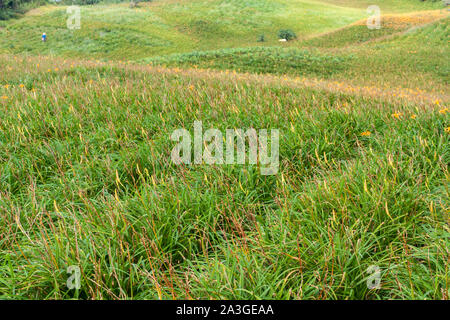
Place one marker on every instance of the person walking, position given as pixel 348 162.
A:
pixel 44 37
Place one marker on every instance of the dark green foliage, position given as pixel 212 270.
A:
pixel 259 60
pixel 11 8
pixel 287 34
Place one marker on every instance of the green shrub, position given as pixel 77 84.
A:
pixel 287 34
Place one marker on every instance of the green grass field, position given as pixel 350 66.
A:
pixel 87 180
pixel 115 31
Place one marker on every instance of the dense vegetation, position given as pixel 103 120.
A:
pixel 11 8
pixel 86 177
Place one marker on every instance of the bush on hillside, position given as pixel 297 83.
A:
pixel 287 34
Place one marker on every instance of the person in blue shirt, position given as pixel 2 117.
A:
pixel 44 37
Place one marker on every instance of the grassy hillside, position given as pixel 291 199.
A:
pixel 334 41
pixel 162 27
pixel 86 177
pixel 392 56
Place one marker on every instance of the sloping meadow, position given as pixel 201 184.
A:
pixel 86 179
